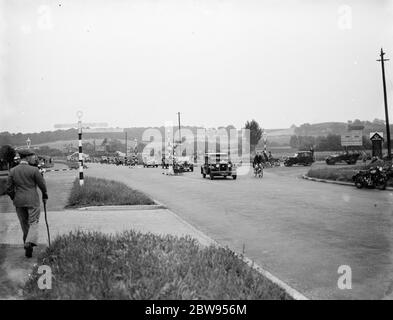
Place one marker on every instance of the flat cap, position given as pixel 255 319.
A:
pixel 25 153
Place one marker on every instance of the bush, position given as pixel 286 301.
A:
pixel 101 192
pixel 145 266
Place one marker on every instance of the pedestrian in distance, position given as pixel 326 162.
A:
pixel 22 184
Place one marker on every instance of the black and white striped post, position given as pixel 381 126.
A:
pixel 81 180
pixel 88 128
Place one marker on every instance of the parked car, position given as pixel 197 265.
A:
pixel 350 158
pixel 304 158
pixel 150 162
pixel 218 165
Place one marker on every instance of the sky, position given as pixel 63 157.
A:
pixel 137 63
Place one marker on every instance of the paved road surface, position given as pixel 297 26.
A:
pixel 301 231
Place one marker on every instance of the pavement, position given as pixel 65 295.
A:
pixel 300 231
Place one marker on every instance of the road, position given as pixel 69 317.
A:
pixel 299 230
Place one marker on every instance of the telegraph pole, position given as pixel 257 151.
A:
pixel 126 142
pixel 382 60
pixel 178 118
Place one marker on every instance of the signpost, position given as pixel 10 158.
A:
pixel 79 126
pixel 28 142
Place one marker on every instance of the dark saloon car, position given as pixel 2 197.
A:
pixel 218 165
pixel 347 157
pixel 304 158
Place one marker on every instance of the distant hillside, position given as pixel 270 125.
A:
pixel 280 132
pixel 58 138
pixel 278 137
pixel 326 128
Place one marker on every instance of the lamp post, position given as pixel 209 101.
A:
pixel 28 142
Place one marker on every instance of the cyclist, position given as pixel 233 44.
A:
pixel 258 161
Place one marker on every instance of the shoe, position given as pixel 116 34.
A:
pixel 28 250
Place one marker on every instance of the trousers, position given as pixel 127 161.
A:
pixel 29 218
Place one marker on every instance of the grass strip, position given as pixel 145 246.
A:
pixel 134 265
pixel 101 192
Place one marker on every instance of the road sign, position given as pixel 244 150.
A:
pixel 376 136
pixel 352 138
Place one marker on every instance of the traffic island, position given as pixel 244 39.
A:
pixel 102 192
pixel 134 265
pixel 341 174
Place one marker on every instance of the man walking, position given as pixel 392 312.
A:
pixel 22 188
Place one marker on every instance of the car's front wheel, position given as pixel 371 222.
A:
pixel 211 176
pixel 234 177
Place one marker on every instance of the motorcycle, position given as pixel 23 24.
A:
pixel 258 171
pixel 374 177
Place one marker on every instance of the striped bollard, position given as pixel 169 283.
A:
pixel 81 181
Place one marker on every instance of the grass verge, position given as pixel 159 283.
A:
pixel 336 174
pixel 101 192
pixel 133 265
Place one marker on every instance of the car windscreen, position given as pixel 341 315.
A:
pixel 218 158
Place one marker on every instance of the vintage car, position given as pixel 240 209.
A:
pixel 304 158
pixel 150 162
pixel 218 165
pixel 185 165
pixel 347 157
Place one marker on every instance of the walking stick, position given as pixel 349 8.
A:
pixel 46 222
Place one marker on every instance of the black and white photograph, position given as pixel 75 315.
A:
pixel 196 155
